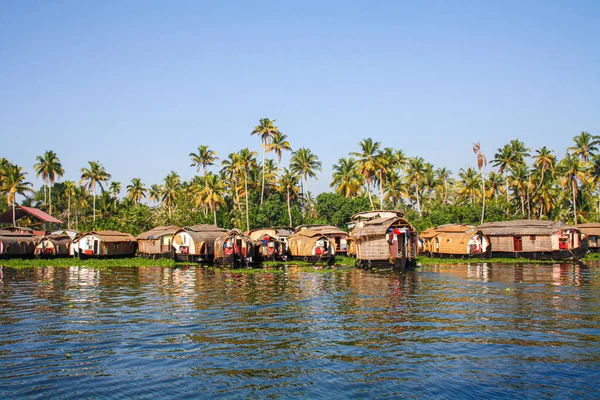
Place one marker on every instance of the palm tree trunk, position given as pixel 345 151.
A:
pixel 246 188
pixel 418 199
pixel 69 211
pixel 50 199
pixel 288 205
pixel 262 190
pixel 94 221
pixel 380 190
pixel 13 207
pixel 369 194
pixel 482 196
pixel 215 214
pixel 574 204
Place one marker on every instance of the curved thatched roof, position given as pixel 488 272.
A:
pixel 324 229
pixel 156 233
pixel 275 232
pixel 109 236
pixel 366 215
pixel 378 226
pixel 590 228
pixel 523 227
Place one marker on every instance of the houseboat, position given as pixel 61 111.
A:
pixel 53 245
pixel 156 243
pixel 235 248
pixel 104 244
pixel 536 240
pixel 196 243
pixel 454 241
pixel 338 237
pixel 591 231
pixel 383 239
pixel 312 246
pixel 273 242
pixel 17 243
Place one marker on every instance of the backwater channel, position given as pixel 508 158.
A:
pixel 477 330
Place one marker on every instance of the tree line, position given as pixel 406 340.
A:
pixel 242 191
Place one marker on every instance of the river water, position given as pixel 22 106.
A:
pixel 464 331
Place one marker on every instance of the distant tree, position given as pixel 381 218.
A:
pixel 481 162
pixel 266 130
pixel 203 158
pixel 49 167
pixel 94 175
pixel 305 164
pixel 136 190
pixel 13 183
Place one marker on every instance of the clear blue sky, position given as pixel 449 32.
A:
pixel 138 85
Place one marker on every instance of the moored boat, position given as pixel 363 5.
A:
pixel 157 242
pixel 104 244
pixel 311 246
pixel 273 242
pixel 196 243
pixel 455 241
pixel 235 248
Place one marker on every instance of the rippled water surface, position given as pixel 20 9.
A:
pixel 461 331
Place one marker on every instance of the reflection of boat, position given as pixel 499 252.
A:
pixel 235 248
pixel 273 242
pixel 455 241
pixel 311 246
pixel 383 239
pixel 536 240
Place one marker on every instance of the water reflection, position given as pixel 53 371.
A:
pixel 475 329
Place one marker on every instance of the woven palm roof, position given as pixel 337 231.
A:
pixel 523 227
pixel 157 232
pixel 110 236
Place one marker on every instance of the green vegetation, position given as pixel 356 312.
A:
pixel 92 263
pixel 245 192
pixel 427 261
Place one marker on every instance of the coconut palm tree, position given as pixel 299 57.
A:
pixel 210 191
pixel 520 182
pixel 13 183
pixel 170 189
pixel 278 145
pixel 114 189
pixel 544 160
pixel 94 175
pixel 203 158
pixel 415 171
pixel 481 162
pixel 136 190
pixel 384 163
pixel 572 171
pixel 69 190
pixel 245 160
pixel 305 163
pixel 288 183
pixel 266 130
pixel 586 145
pixel 49 168
pixel 505 159
pixel 367 163
pixel 155 193
pixel 469 185
pixel 444 176
pixel 346 179
pixel 495 185
pixel 395 189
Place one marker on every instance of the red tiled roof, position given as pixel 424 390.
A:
pixel 21 211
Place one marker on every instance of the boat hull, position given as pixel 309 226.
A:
pixel 558 255
pixel 316 259
pixel 400 264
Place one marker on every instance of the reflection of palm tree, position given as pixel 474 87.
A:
pixel 95 174
pixel 288 183
pixel 49 167
pixel 346 179
pixel 136 190
pixel 305 163
pixel 203 158
pixel 13 183
pixel 367 163
pixel 266 130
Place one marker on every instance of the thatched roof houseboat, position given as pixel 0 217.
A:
pixel 338 237
pixel 14 244
pixel 591 231
pixel 455 241
pixel 156 242
pixel 383 239
pixel 196 243
pixel 311 245
pixel 104 244
pixel 536 240
pixel 53 245
pixel 235 248
pixel 273 242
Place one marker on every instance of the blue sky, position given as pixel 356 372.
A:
pixel 138 85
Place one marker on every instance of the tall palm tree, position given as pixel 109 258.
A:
pixel 505 159
pixel 346 179
pixel 50 168
pixel 203 158
pixel 288 183
pixel 278 145
pixel 469 185
pixel 495 185
pixel 13 183
pixel 210 191
pixel 245 160
pixel 544 160
pixel 384 163
pixel 136 190
pixel 170 189
pixel 444 176
pixel 69 191
pixel 572 170
pixel 395 189
pixel 94 175
pixel 520 182
pixel 586 145
pixel 481 162
pixel 266 130
pixel 155 193
pixel 367 163
pixel 520 151
pixel 415 171
pixel 305 163
pixel 114 189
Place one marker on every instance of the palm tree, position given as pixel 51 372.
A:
pixel 244 161
pixel 395 189
pixel 266 130
pixel 520 151
pixel 505 159
pixel 155 193
pixel 13 183
pixel 210 191
pixel 544 161
pixel 288 183
pixel 49 167
pixel 519 180
pixel 469 185
pixel 585 146
pixel 572 170
pixel 367 163
pixel 495 185
pixel 444 176
pixel 203 158
pixel 69 191
pixel 305 163
pixel 92 176
pixel 384 161
pixel 481 162
pixel 278 145
pixel 136 190
pixel 346 179
pixel 170 188
pixel 415 171
pixel 115 189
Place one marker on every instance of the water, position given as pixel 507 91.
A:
pixel 462 331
